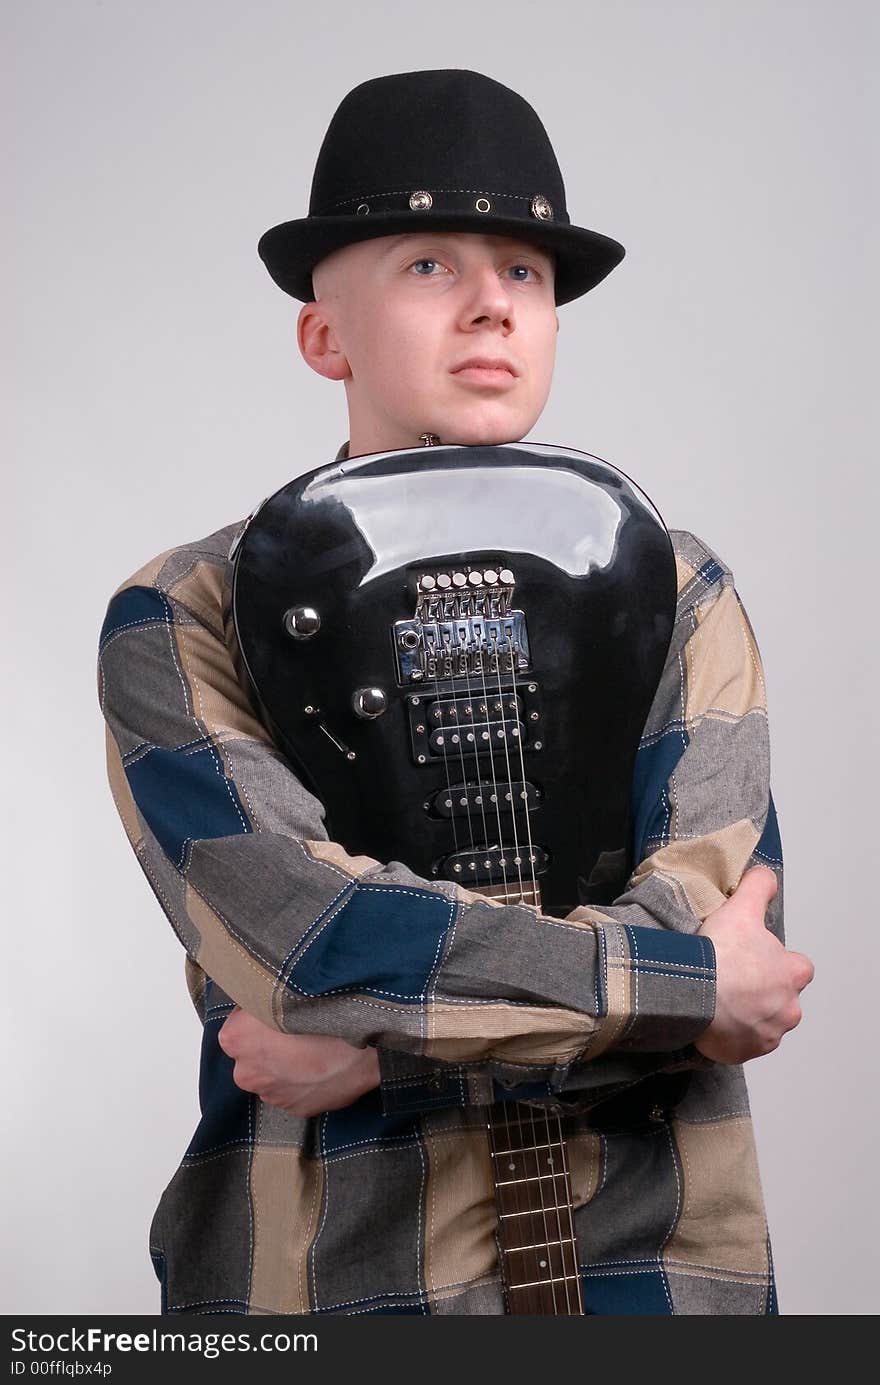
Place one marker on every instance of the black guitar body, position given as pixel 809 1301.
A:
pixel 457 649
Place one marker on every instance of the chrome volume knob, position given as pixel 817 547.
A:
pixel 302 622
pixel 369 702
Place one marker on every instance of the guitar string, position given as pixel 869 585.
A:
pixel 527 1216
pixel 546 1116
pixel 479 797
pixel 531 865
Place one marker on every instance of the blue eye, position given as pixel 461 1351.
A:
pixel 528 269
pixel 416 263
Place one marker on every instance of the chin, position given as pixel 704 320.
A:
pixel 482 433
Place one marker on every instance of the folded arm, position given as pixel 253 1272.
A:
pixel 310 940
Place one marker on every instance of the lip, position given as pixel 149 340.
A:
pixel 486 370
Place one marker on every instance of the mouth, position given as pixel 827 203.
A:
pixel 485 372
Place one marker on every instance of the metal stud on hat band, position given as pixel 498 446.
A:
pixel 420 201
pixel 541 208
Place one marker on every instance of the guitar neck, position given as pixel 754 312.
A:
pixel 536 1237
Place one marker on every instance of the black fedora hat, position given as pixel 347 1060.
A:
pixel 449 149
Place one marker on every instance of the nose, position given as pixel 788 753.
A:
pixel 488 301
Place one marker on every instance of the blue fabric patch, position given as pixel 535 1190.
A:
pixel 521 1092
pixel 384 941
pixel 362 1123
pixel 769 848
pixel 134 606
pixel 626 1294
pixel 682 951
pixel 711 571
pixel 184 796
pixel 412 1095
pixel 227 1110
pixel 650 797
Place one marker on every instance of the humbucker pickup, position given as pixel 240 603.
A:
pixel 482 723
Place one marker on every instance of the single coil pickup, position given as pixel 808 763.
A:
pixel 464 800
pixel 482 738
pixel 464 711
pixel 489 865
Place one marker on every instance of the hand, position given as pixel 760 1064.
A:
pixel 305 1074
pixel 758 981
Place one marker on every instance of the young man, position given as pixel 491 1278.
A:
pixel 341 1164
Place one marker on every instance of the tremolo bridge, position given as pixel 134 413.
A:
pixel 463 627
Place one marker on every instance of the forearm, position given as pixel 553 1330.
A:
pixel 309 939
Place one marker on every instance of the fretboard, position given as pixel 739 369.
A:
pixel 536 1236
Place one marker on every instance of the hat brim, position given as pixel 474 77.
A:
pixel 291 251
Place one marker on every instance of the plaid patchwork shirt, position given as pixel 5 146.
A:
pixel 387 1206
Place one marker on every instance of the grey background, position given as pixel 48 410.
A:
pixel 156 394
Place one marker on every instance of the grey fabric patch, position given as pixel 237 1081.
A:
pixel 213 548
pixel 692 1294
pixel 723 777
pixel 204 1225
pixel 275 798
pixel 143 688
pixel 267 888
pixel 480 1300
pixel 170 888
pixel 505 953
pixel 654 903
pixel 277 1127
pixel 714 1094
pixel 637 1202
pixel 667 708
pixel 370 1239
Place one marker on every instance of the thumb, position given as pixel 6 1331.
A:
pixel 757 887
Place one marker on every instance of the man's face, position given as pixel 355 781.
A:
pixel 398 317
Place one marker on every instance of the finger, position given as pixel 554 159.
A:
pixel 759 884
pixel 804 970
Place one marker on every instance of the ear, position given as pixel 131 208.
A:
pixel 318 343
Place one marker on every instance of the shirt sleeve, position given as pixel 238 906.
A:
pixel 702 812
pixel 310 939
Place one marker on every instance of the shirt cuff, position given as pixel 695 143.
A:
pixel 656 989
pixel 411 1083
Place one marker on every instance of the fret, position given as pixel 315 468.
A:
pixel 531 1212
pixel 527 1149
pixel 520 1139
pixel 548 1261
pixel 538 1245
pixel 527 1178
pixel 502 1122
pixel 538 1283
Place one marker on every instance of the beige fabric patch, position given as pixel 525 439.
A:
pixel 462 1033
pixel 724 674
pixel 708 869
pixel 336 855
pixel 122 795
pixel 722 1224
pixel 219 700
pixel 286 1190
pixel 460 1217
pixel 683 573
pixel 236 972
pixel 583 1152
pixel 201 591
pixel 146 575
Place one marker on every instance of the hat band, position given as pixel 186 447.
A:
pixel 431 202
